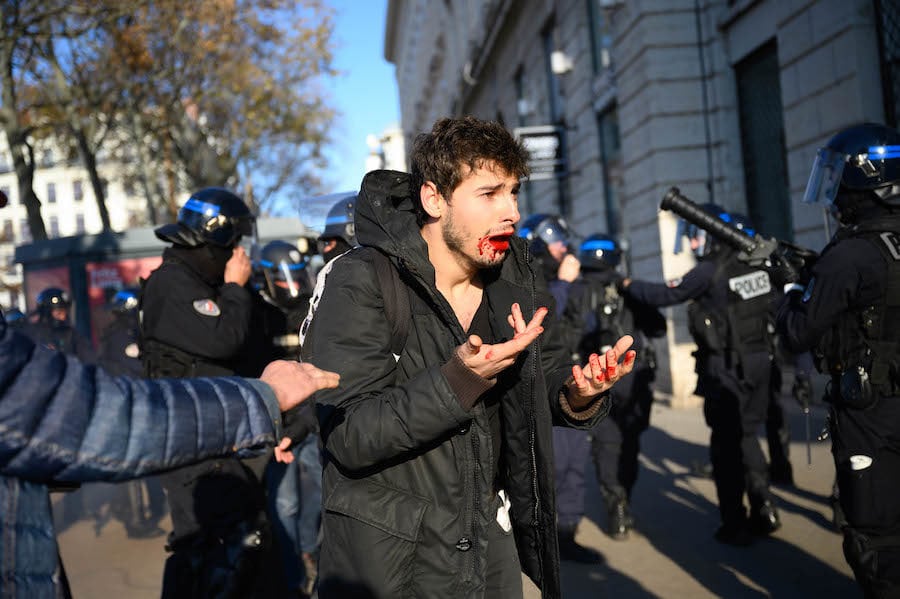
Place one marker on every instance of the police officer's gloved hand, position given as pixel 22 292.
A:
pixel 783 273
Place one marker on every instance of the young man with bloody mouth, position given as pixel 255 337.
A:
pixel 438 478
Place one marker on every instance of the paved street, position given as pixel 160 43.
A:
pixel 672 556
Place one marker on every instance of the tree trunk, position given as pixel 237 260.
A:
pixel 90 164
pixel 17 138
pixel 25 177
pixel 149 179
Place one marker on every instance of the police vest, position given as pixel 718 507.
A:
pixel 161 360
pixel 746 325
pixel 868 342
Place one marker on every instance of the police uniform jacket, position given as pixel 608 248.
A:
pixel 187 305
pixel 408 487
pixel 196 325
pixel 731 312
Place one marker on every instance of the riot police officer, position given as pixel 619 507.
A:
pixel 196 315
pixel 597 313
pixel 550 241
pixel 53 328
pixel 778 433
pixel 140 503
pixel 848 313
pixel 728 319
pixel 339 234
pixel 284 286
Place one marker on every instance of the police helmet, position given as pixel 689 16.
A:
pixel 124 301
pixel 742 223
pixel 14 316
pixel 50 299
pixel 599 252
pixel 862 158
pixel 286 274
pixel 210 216
pixel 702 244
pixel 542 230
pixel 339 223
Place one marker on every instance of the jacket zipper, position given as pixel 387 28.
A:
pixel 468 573
pixel 535 517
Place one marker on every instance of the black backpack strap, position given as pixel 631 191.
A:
pixel 397 309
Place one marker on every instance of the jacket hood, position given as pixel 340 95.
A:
pixel 386 220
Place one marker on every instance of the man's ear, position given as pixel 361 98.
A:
pixel 432 200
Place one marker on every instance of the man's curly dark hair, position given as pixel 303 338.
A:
pixel 458 146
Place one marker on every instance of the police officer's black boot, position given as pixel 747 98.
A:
pixel 764 518
pixel 571 551
pixel 619 520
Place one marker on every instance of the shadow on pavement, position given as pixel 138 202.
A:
pixel 676 511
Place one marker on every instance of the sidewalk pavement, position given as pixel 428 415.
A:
pixel 671 554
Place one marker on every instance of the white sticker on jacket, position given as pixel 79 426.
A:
pixel 751 284
pixel 207 307
pixel 503 512
pixel 860 462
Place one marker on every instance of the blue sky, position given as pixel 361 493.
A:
pixel 365 94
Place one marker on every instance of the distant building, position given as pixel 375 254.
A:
pixel 67 205
pixel 726 99
pixel 387 151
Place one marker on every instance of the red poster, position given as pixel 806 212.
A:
pixel 104 279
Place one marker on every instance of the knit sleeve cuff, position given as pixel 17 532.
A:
pixel 467 385
pixel 598 403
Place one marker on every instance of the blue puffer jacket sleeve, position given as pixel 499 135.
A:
pixel 65 421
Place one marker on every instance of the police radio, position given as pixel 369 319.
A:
pixel 757 251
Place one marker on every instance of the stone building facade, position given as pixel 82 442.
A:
pixel 725 99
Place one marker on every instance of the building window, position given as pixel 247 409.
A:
pixel 557 117
pixel 8 193
pixel 47 158
pixel 54 227
pixel 601 36
pixel 51 193
pixel 887 22
pixel 24 231
pixel 7 230
pixel 79 223
pixel 4 163
pixel 762 143
pixel 611 162
pixel 77 190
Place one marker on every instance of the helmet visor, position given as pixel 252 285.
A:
pixel 825 178
pixel 207 219
pixel 288 277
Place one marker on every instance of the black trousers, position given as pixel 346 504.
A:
pixel 735 407
pixel 615 440
pixel 866 450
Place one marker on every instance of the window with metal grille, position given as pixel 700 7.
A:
pixel 887 22
pixel 24 231
pixel 51 193
pixel 762 142
pixel 611 161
